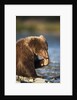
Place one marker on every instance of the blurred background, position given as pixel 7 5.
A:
pixel 33 24
pixel 49 27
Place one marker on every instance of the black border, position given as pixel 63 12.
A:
pixel 74 19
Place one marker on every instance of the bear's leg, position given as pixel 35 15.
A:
pixel 30 69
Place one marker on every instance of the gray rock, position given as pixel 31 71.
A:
pixel 39 80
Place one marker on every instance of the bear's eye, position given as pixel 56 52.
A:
pixel 45 48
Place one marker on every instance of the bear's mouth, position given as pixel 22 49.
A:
pixel 44 61
pixel 41 61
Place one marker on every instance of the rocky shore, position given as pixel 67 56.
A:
pixel 21 79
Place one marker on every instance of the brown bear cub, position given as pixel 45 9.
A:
pixel 28 51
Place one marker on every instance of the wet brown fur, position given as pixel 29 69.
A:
pixel 26 49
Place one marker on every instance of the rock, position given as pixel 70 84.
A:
pixel 31 80
pixel 17 81
pixel 39 80
pixel 26 79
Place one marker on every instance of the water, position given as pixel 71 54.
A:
pixel 52 71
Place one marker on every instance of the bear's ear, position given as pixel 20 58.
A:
pixel 42 37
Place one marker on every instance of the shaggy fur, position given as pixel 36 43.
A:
pixel 27 52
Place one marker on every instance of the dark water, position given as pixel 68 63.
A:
pixel 52 71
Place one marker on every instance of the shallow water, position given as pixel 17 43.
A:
pixel 52 71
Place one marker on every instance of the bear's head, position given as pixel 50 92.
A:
pixel 39 46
